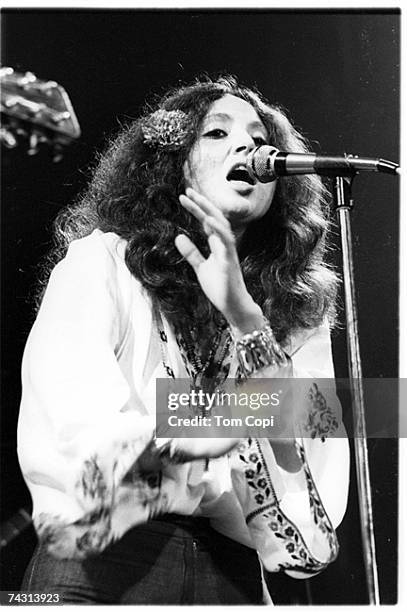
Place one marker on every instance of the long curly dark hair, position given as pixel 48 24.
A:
pixel 134 192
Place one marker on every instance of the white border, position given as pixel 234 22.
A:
pixel 206 4
pixel 304 4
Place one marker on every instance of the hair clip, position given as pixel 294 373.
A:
pixel 166 129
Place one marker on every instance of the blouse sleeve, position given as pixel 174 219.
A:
pixel 79 438
pixel 292 516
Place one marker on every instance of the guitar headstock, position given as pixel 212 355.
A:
pixel 35 112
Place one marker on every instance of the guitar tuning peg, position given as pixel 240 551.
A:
pixel 46 87
pixel 12 101
pixel 6 71
pixel 42 138
pixel 7 138
pixel 20 131
pixel 59 117
pixel 57 153
pixel 36 139
pixel 33 143
pixel 27 79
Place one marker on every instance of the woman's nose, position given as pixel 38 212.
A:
pixel 243 142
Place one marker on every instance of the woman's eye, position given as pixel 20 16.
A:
pixel 216 133
pixel 259 140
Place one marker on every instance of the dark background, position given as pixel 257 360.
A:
pixel 338 74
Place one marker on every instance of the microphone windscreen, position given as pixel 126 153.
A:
pixel 261 163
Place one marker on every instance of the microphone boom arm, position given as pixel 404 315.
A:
pixel 348 165
pixel 266 163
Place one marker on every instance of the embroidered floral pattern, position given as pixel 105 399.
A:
pixel 259 481
pixel 99 494
pixel 298 556
pixel 87 536
pixel 91 484
pixel 283 529
pixel 146 484
pixel 321 421
pixel 257 475
pixel 320 517
pixel 208 375
pixel 92 533
pixel 211 373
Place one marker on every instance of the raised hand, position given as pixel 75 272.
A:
pixel 219 275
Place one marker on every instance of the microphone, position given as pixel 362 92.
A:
pixel 266 163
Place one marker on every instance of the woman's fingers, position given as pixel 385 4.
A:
pixel 206 205
pixel 188 250
pixel 217 228
pixel 201 207
pixel 193 208
pixel 215 225
pixel 219 236
pixel 201 448
pixel 219 275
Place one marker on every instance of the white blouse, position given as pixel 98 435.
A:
pixel 88 412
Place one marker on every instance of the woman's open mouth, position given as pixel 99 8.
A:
pixel 240 177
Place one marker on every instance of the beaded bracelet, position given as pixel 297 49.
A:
pixel 259 349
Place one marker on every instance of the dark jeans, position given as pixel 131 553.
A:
pixel 170 560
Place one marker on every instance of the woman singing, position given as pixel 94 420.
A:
pixel 177 263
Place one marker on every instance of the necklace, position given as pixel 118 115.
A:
pixel 208 375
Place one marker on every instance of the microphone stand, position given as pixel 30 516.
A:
pixel 343 205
